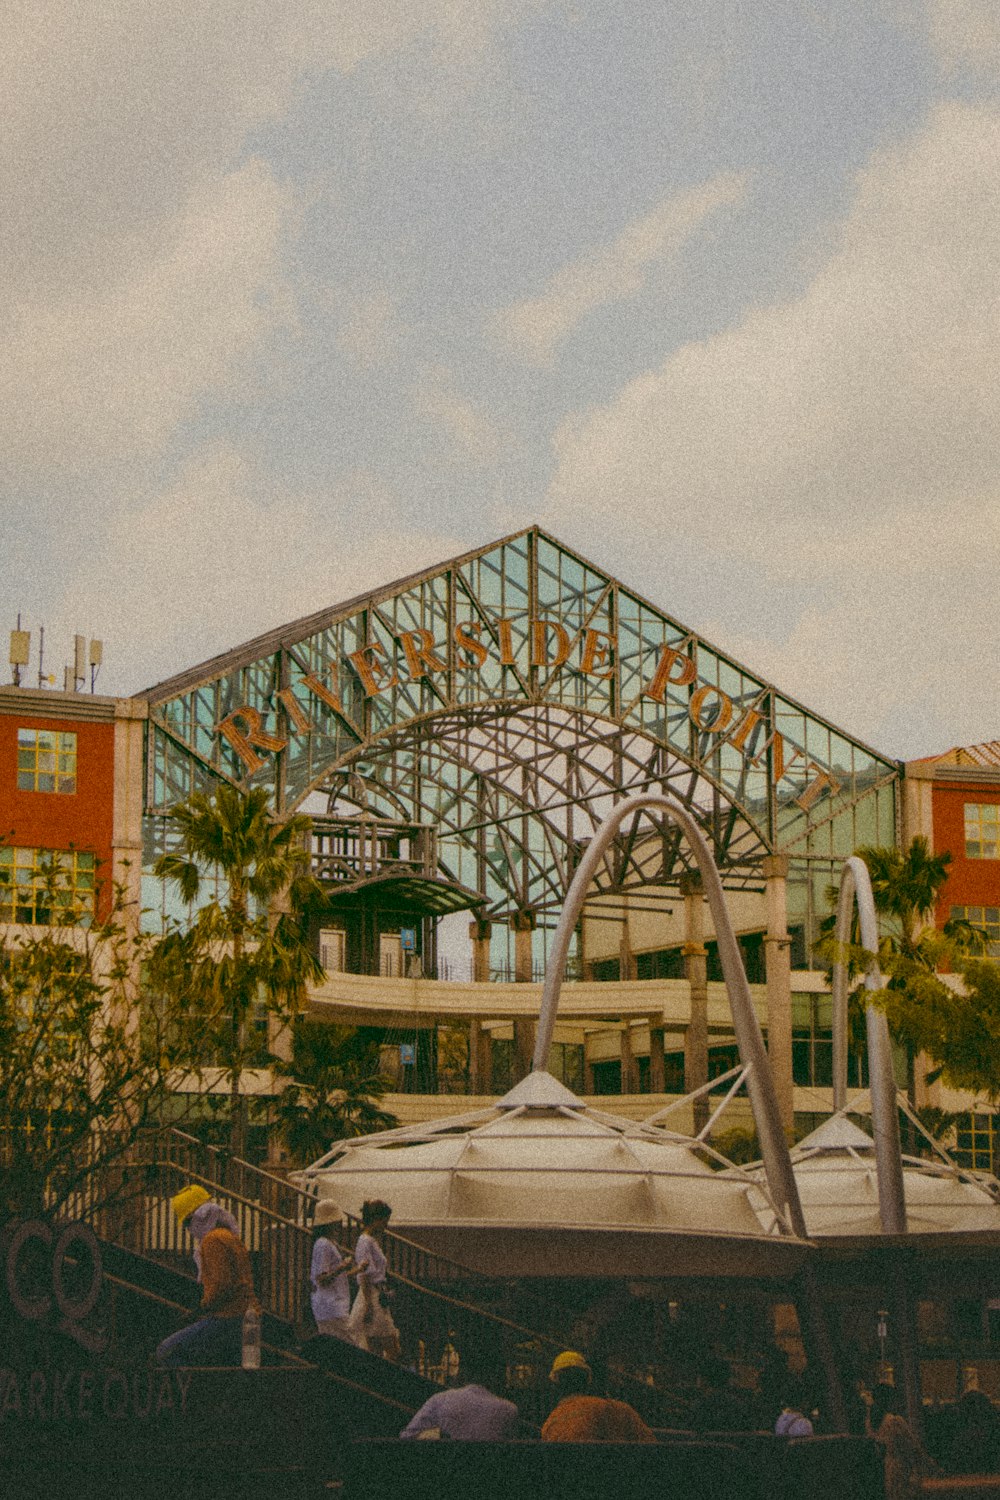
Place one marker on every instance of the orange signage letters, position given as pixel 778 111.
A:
pixel 710 710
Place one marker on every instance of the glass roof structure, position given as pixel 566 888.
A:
pixel 508 698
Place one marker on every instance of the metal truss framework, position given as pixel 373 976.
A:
pixel 509 698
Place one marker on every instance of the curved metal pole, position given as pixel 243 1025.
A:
pixel 760 1082
pixel 855 884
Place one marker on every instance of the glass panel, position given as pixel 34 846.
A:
pixel 548 746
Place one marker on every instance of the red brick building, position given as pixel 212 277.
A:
pixel 954 801
pixel 70 803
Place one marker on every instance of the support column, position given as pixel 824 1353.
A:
pixel 479 932
pixel 626 958
pixel 657 1071
pixel 121 1004
pixel 778 972
pixel 480 1059
pixel 523 923
pixel 696 970
pixel 630 1071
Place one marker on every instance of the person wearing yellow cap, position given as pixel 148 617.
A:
pixel 580 1417
pixel 187 1200
pixel 227 1284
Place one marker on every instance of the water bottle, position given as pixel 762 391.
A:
pixel 251 1337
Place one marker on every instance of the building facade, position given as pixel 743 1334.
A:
pixel 71 799
pixel 456 737
pixel 953 800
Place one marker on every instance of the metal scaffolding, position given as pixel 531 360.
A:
pixel 507 699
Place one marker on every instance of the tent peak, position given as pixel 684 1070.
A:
pixel 838 1133
pixel 539 1090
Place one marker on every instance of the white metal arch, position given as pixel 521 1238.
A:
pixel 760 1081
pixel 856 886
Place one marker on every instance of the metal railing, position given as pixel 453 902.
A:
pixel 438 1303
pixel 128 1202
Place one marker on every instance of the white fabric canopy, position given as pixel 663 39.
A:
pixel 837 1178
pixel 542 1160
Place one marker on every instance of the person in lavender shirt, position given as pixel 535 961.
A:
pixel 468 1411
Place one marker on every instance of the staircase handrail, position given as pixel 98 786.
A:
pixel 282 1248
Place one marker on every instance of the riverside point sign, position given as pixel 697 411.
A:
pixel 547 647
pixel 505 697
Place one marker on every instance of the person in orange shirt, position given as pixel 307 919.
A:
pixel 227 1286
pixel 580 1417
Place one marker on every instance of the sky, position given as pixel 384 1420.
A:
pixel 300 298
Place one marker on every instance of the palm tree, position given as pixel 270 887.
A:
pixel 229 959
pixel 906 886
pixel 333 1091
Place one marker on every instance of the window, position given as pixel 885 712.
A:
pixel 982 830
pixel 976 1141
pixel 46 760
pixel 331 949
pixel 985 917
pixel 812 1045
pixel 663 963
pixel 47 887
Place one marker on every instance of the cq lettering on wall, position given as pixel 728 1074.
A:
pixel 63 1292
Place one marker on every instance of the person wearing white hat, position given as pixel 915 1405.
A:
pixel 329 1269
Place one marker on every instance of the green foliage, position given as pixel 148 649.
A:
pixel 75 1070
pixel 333 1089
pixel 923 1012
pixel 939 1123
pixel 738 1144
pixel 962 1032
pixel 906 884
pixel 228 962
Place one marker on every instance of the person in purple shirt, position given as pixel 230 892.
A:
pixel 793 1421
pixel 465 1411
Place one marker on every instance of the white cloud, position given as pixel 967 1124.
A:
pixel 111 113
pixel 91 375
pixel 217 558
pixel 964 33
pixel 143 260
pixel 536 326
pixel 850 437
pixel 895 654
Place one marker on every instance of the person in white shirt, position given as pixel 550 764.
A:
pixel 371 1324
pixel 329 1269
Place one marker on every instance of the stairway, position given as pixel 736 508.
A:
pixel 441 1307
pixel 437 1306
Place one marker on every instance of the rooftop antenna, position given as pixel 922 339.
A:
pixel 79 661
pixel 20 650
pixel 75 677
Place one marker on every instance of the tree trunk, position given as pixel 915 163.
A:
pixel 237 1101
